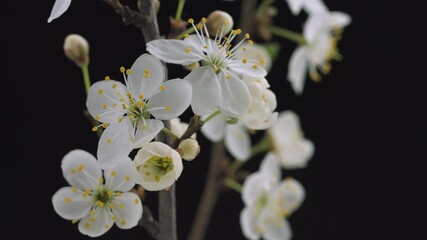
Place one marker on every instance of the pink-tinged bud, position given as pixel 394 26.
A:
pixel 218 20
pixel 76 48
pixel 189 149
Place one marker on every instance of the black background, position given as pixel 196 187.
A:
pixel 367 120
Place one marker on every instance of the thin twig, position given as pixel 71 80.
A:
pixel 148 222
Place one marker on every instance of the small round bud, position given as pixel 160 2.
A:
pixel 192 66
pixel 76 48
pixel 189 149
pixel 217 20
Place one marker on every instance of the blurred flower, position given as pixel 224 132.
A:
pixel 97 205
pixel 269 201
pixel 59 7
pixel 125 110
pixel 216 83
pixel 310 6
pixel 217 21
pixel 158 166
pixel 257 52
pixel 76 48
pixel 322 31
pixel 288 142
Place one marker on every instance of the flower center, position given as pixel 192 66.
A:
pixel 156 167
pixel 103 196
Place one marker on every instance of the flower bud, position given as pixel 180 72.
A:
pixel 217 20
pixel 189 149
pixel 76 48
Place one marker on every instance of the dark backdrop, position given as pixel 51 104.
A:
pixel 367 120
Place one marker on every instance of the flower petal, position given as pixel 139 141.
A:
pixel 286 129
pixel 146 76
pixel 59 7
pixel 235 98
pixel 248 224
pixel 70 203
pixel 296 155
pixel 238 142
pixel 288 196
pixel 175 97
pixel 314 25
pixel 297 69
pixel 248 69
pixel 121 177
pixel 146 133
pixel 265 124
pixel 81 169
pixel 270 168
pixel 275 226
pixel 206 90
pixel 295 6
pixel 214 129
pixel 174 51
pixel 128 210
pixel 338 19
pixel 97 224
pixel 115 143
pixel 254 186
pixel 103 101
pixel 315 6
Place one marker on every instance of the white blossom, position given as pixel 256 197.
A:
pixel 59 7
pixel 257 52
pixel 322 31
pixel 96 202
pixel 126 110
pixel 216 84
pixel 310 6
pixel 158 166
pixel 268 202
pixel 289 144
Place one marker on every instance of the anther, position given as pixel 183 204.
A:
pixel 122 69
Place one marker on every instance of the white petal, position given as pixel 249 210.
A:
pixel 115 143
pixel 270 168
pixel 297 69
pixel 286 129
pixel 97 224
pixel 178 128
pixel 214 129
pixel 142 83
pixel 248 224
pixel 206 90
pixel 174 51
pixel 288 196
pixel 275 226
pixel 238 142
pixel 266 123
pixel 235 98
pixel 58 9
pixel 253 187
pixel 81 169
pixel 315 24
pixel 146 133
pixel 315 6
pixel 104 100
pixel 71 205
pixel 339 19
pixel 121 177
pixel 248 69
pixel 296 155
pixel 128 210
pixel 176 97
pixel 295 6
pixel 271 99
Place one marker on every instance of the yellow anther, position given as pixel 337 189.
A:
pixel 141 96
pixel 140 104
pixel 228 53
pixel 203 20
pixel 111 205
pixel 104 106
pixel 199 26
pixel 92 219
pixel 225 22
pixel 114 105
pixel 127 178
pixel 247 36
pixel 101 180
pixel 157 177
pixel 124 106
pixel 122 69
pixel 87 225
pixel 80 168
pixel 261 60
pixel 97 117
pixel 228 45
pixel 244 49
pixel 205 46
pixel 99 203
pixel 113 173
pixel 238 31
pixel 120 120
pixel 167 108
pixel 244 60
pixel 119 194
pixel 86 192
pixel 227 76
pixel 101 91
pixel 109 140
pixel 326 68
pixel 110 193
pixel 104 125
pixel 188 50
pixel 107 226
pixel 67 200
pixel 132 139
pixel 121 206
pixel 315 76
pixel 146 166
pixel 107 78
pixel 190 20
pixel 74 221
pixel 114 217
pixel 254 66
pixel 146 71
pixel 114 85
pixel 129 95
pixel 131 117
pixel 250 42
pixel 186 35
pixel 162 87
pixel 74 189
pixel 147 173
pixel 92 212
pixel 123 222
pixel 73 171
pixel 136 201
pixel 128 72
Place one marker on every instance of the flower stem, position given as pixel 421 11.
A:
pixel 264 6
pixel 188 31
pixel 232 184
pixel 212 116
pixel 170 133
pixel 287 34
pixel 86 77
pixel 179 9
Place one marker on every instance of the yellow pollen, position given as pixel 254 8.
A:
pixel 119 194
pixel 132 139
pixel 114 86
pixel 114 217
pixel 111 205
pixel 203 20
pixel 97 117
pixel 101 91
pixel 255 66
pixel 147 173
pixel 146 71
pixel 228 53
pixel 131 117
pixel 244 60
pixel 167 108
pixel 227 76
pixel 262 61
pixel 92 219
pixel 127 178
pixel 107 226
pixel 190 20
pixel 120 120
pixel 74 221
pixel 107 78
pixel 162 87
pixel 157 177
pixel 101 180
pixel 99 203
pixel 110 193
pixel 188 50
pixel 228 45
pixel 315 76
pixel 80 168
pixel 109 140
pixel 326 68
pixel 73 171
pixel 123 222
pixel 225 22
pixel 104 106
pixel 136 201
pixel 92 212
pixel 238 31
pixel 141 96
pixel 121 206
pixel 140 104
pixel 247 36
pixel 128 72
pixel 205 46
pixel 74 189
pixel 67 200
pixel 129 95
pixel 113 173
pixel 146 166
pixel 199 26
pixel 186 35
pixel 250 42
pixel 122 69
pixel 86 192
pixel 124 106
pixel 87 225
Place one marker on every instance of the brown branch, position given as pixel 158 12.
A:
pixel 148 222
pixel 167 214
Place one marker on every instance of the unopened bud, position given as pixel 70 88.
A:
pixel 76 48
pixel 189 149
pixel 218 20
pixel 192 66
